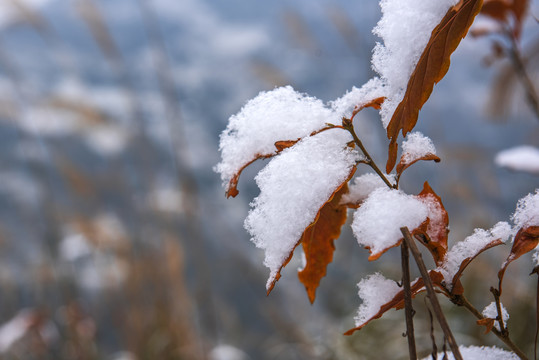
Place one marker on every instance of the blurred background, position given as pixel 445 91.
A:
pixel 116 240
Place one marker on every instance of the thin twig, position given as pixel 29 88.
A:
pixel 431 293
pixel 462 301
pixel 496 294
pixel 408 309
pixel 347 125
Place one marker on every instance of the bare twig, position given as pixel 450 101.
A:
pixel 347 125
pixel 409 310
pixel 431 293
pixel 496 294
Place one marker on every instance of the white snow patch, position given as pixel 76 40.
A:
pixel 416 146
pixel 378 221
pixel 281 114
pixel 491 312
pixel 527 211
pixel 478 353
pixel 293 187
pixel 363 186
pixel 375 291
pixel 520 158
pixel 470 247
pixel 227 352
pixel 358 97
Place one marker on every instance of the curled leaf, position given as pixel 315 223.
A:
pixel 525 241
pixel 488 323
pixel 403 165
pixel 430 69
pixel 318 241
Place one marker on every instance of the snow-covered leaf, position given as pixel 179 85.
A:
pixel 318 241
pixel 416 147
pixel 430 69
pixel 294 186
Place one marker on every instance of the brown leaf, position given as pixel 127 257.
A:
pixel 496 9
pixel 525 241
pixel 374 103
pixel 403 165
pixel 506 10
pixel 468 260
pixel 336 193
pixel 430 69
pixel 435 231
pixel 317 241
pixel 487 322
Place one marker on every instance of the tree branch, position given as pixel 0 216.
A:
pixel 409 310
pixel 431 293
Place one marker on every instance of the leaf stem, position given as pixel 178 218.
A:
pixel 347 125
pixel 409 310
pixel 496 294
pixel 431 293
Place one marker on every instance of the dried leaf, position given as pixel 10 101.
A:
pixel 374 103
pixel 507 11
pixel 467 261
pixel 496 9
pixel 317 241
pixel 337 193
pixel 402 165
pixel 525 241
pixel 396 303
pixel 430 69
pixel 488 323
pixel 434 232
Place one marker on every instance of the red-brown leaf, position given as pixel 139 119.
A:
pixel 525 241
pixel 317 241
pixel 488 323
pixel 337 193
pixel 506 10
pixel 430 69
pixel 436 229
pixel 468 260
pixel 403 165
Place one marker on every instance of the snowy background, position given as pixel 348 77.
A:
pixel 116 240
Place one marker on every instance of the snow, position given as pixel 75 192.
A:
pixel 378 221
pixel 358 97
pixel 470 247
pixel 375 291
pixel 280 114
pixel 227 352
pixel 478 353
pixel 491 312
pixel 405 28
pixel 363 186
pixel 520 158
pixel 527 211
pixel 416 146
pixel 293 187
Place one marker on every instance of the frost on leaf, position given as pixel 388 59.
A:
pixel 317 241
pixel 378 220
pixel 362 187
pixel 462 254
pixel 430 69
pixel 416 147
pixel 265 126
pixel 434 232
pixel 294 186
pixel 526 220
